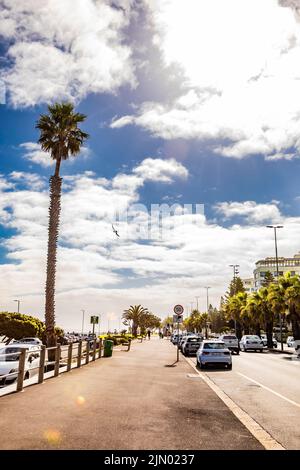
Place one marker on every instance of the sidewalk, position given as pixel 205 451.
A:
pixel 133 400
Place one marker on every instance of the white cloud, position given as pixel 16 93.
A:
pixel 34 154
pixel 65 49
pixel 252 211
pixel 31 180
pixel 156 169
pixel 102 273
pixel 241 63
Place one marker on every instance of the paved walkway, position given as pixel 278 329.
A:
pixel 133 400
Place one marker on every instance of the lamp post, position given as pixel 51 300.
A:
pixel 207 303
pixel 197 297
pixel 275 227
pixel 192 303
pixel 19 301
pixel 82 327
pixel 235 273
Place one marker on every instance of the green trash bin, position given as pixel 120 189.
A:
pixel 108 348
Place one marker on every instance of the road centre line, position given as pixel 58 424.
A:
pixel 268 442
pixel 270 390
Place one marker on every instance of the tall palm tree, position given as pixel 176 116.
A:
pixel 134 313
pixel 61 137
pixel 291 285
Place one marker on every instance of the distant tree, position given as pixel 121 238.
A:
pixel 18 326
pixel 133 314
pixel 268 279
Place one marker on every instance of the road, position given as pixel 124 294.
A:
pixel 267 387
pixel 135 400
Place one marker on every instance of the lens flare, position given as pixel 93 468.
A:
pixel 52 437
pixel 80 400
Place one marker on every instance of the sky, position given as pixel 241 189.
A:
pixel 193 113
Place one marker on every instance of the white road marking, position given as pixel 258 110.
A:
pixel 256 430
pixel 270 390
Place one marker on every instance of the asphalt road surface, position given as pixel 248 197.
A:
pixel 267 387
pixel 134 400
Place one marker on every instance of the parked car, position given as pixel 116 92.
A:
pixel 213 352
pixel 265 341
pixel 9 364
pixel 231 342
pixel 181 341
pixel 175 338
pixel 191 344
pixel 290 342
pixel 29 341
pixel 253 342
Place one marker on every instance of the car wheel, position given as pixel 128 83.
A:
pixel 261 350
pixel 229 366
pixel 202 366
pixel 26 376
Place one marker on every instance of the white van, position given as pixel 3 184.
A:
pixel 9 361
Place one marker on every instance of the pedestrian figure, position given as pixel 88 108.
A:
pixel 148 333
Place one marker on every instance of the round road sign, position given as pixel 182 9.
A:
pixel 178 309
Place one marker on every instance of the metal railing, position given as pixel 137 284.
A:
pixel 64 358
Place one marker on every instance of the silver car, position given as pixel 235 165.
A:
pixel 251 342
pixel 213 352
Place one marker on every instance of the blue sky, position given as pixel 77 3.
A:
pixel 169 121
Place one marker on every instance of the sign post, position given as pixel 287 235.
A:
pixel 94 321
pixel 177 318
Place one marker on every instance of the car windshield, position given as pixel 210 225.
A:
pixel 14 357
pixel 214 346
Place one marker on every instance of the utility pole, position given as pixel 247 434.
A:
pixel 82 327
pixel 207 308
pixel 235 273
pixel 19 301
pixel 275 227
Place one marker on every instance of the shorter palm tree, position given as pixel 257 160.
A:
pixel 133 314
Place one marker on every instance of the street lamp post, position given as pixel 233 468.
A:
pixel 197 297
pixel 275 227
pixel 19 301
pixel 207 308
pixel 235 273
pixel 82 327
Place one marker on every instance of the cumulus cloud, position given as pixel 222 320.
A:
pixel 34 154
pixel 239 88
pixel 250 210
pixel 65 49
pixel 102 273
pixel 161 170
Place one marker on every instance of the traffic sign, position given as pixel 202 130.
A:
pixel 94 320
pixel 177 319
pixel 178 309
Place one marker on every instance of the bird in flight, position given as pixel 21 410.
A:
pixel 115 231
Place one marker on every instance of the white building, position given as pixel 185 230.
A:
pixel 285 265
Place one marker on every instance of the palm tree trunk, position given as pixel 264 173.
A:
pixel 238 330
pixel 53 228
pixel 257 329
pixel 269 333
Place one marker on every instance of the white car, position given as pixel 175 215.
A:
pixel 191 345
pixel 213 352
pixel 253 342
pixel 265 341
pixel 290 341
pixel 29 341
pixel 231 342
pixel 9 361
